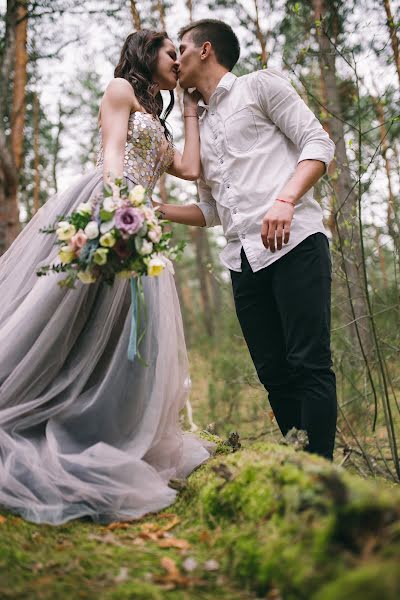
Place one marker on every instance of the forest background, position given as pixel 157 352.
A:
pixel 56 58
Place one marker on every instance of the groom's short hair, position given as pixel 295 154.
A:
pixel 222 37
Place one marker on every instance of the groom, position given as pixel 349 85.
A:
pixel 262 150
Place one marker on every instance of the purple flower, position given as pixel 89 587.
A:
pixel 128 220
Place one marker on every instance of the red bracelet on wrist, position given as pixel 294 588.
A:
pixel 285 201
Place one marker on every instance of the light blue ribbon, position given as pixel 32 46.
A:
pixel 133 337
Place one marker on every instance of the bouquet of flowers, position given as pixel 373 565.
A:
pixel 116 234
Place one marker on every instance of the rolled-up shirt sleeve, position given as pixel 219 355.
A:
pixel 207 204
pixel 283 106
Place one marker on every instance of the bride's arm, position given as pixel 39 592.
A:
pixel 117 103
pixel 187 164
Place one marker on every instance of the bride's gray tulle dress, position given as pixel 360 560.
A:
pixel 84 431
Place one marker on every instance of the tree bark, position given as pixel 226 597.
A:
pixel 8 188
pixel 159 6
pixel 18 111
pixel 8 172
pixel 189 6
pixel 199 240
pixel 345 210
pixel 261 37
pixel 392 213
pixel 393 36
pixel 36 150
pixel 137 22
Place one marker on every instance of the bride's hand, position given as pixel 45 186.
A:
pixel 190 100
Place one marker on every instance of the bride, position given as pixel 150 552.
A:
pixel 84 431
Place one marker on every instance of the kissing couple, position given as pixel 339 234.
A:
pixel 84 432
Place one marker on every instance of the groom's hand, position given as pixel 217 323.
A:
pixel 276 224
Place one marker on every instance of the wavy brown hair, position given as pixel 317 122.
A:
pixel 137 64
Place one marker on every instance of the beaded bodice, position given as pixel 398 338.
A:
pixel 148 153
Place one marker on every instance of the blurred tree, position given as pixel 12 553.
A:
pixel 393 27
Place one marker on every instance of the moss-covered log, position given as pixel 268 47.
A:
pixel 262 522
pixel 292 522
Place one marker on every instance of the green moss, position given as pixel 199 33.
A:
pixel 369 582
pixel 270 517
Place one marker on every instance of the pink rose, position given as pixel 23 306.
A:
pixel 77 241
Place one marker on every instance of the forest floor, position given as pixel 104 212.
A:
pixel 263 521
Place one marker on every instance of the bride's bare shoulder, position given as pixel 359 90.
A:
pixel 119 91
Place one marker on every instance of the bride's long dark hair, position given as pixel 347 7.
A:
pixel 137 64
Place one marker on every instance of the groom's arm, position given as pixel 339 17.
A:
pixel 202 214
pixel 186 215
pixel 284 107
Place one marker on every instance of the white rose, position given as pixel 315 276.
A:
pixel 85 208
pixel 65 231
pixel 137 194
pixel 109 204
pixel 92 230
pixel 143 246
pixel 155 234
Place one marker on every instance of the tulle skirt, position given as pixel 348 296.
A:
pixel 84 431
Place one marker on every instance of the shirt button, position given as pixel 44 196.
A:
pixel 228 185
pixel 221 160
pixel 243 236
pixel 234 211
pixel 213 113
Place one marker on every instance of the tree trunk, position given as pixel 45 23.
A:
pixel 8 172
pixel 159 6
pixel 189 6
pixel 57 146
pixel 381 255
pixel 393 222
pixel 261 37
pixel 214 284
pixel 18 111
pixel 137 22
pixel 346 217
pixel 8 189
pixel 198 235
pixel 393 36
pixel 36 150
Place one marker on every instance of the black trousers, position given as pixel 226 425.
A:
pixel 284 313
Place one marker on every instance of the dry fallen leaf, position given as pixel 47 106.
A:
pixel 2 519
pixel 170 566
pixel 172 523
pixel 109 538
pixel 174 577
pixel 118 525
pixel 174 543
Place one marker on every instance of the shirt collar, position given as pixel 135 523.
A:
pixel 224 85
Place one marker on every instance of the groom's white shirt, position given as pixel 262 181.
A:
pixel 254 132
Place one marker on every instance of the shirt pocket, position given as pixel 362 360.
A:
pixel 241 132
